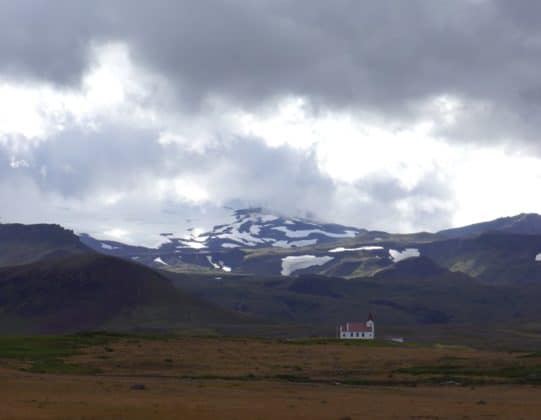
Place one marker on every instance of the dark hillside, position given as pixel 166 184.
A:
pixel 419 269
pixel 23 244
pixel 91 291
pixel 492 257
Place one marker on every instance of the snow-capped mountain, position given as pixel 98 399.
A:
pixel 256 228
pixel 249 228
pixel 262 243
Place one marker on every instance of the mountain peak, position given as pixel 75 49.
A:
pixel 257 227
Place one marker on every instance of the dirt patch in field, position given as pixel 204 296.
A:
pixel 25 396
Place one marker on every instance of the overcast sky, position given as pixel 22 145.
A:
pixel 129 118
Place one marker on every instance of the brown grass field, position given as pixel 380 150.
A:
pixel 238 378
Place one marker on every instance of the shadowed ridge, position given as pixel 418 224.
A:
pixel 23 244
pixel 524 223
pixel 90 291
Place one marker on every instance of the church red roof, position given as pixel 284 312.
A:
pixel 355 327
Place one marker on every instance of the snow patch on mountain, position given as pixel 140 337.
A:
pixel 244 238
pixel 191 244
pixel 293 263
pixel 397 256
pixel 294 244
pixel 255 228
pixel 304 233
pixel 160 261
pixel 362 248
pixel 230 245
pixel 219 265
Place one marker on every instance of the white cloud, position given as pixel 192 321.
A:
pixel 116 233
pixel 182 188
pixel 491 183
pixel 117 156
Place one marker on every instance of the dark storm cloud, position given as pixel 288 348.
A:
pixel 386 57
pixel 48 40
pixel 380 55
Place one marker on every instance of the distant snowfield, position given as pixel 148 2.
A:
pixel 362 248
pixel 264 218
pixel 192 244
pixel 219 265
pixel 538 257
pixel 287 244
pixel 247 229
pixel 209 259
pixel 255 229
pixel 404 255
pixel 230 245
pixel 241 237
pixel 304 233
pixel 298 262
pixel 160 261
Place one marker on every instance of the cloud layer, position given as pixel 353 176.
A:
pixel 361 112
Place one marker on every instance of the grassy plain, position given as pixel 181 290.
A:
pixel 204 377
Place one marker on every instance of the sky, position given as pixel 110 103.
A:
pixel 127 119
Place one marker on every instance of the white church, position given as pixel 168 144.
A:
pixel 358 330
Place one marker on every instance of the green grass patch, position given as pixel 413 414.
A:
pixel 359 343
pixel 323 340
pixel 249 377
pixel 534 355
pixel 58 366
pixel 439 370
pixel 302 379
pixel 46 353
pixel 516 373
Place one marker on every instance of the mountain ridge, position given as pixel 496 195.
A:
pixel 257 242
pixel 523 223
pixel 23 244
